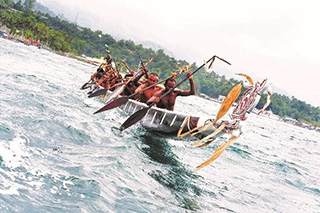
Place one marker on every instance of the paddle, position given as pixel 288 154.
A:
pixel 85 85
pixel 137 116
pixel 115 93
pixel 124 63
pixel 89 85
pixel 98 93
pixel 140 59
pixel 141 62
pixel 122 100
pixel 119 90
pixel 228 101
pixel 247 77
pixel 102 91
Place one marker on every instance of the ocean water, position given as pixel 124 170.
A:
pixel 56 156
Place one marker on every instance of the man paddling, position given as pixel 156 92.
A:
pixel 147 94
pixel 109 76
pixel 133 84
pixel 130 86
pixel 104 69
pixel 97 75
pixel 168 101
pixel 138 115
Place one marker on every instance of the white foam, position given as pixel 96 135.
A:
pixel 10 191
pixel 12 153
pixel 15 154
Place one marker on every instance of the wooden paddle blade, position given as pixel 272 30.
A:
pixel 148 62
pixel 134 118
pixel 115 93
pixel 217 153
pixel 85 85
pixel 98 93
pixel 247 77
pixel 229 100
pixel 113 104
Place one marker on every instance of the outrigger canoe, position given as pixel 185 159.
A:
pixel 161 120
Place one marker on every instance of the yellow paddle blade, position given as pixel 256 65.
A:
pixel 247 77
pixel 205 66
pixel 107 48
pixel 229 100
pixel 124 63
pixel 148 62
pixel 130 51
pixel 217 153
pixel 211 135
pixel 184 69
pixel 102 96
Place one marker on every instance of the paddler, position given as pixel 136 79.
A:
pixel 145 95
pixel 130 87
pixel 168 101
pixel 106 79
pixel 97 75
pixel 103 69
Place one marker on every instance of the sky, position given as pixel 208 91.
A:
pixel 278 40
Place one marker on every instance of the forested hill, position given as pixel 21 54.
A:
pixel 63 36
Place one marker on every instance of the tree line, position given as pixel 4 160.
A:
pixel 61 35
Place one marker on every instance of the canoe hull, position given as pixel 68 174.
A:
pixel 160 120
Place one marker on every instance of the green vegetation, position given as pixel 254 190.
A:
pixel 63 36
pixel 6 3
pixel 284 106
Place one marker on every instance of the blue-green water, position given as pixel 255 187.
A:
pixel 55 156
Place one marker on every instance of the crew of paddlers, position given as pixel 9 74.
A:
pixel 144 87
